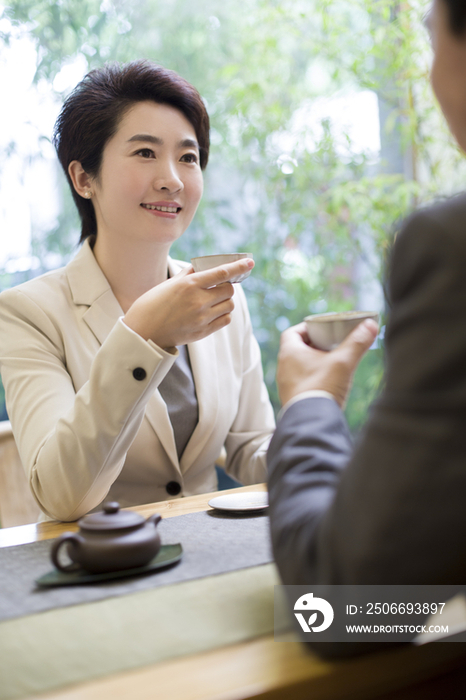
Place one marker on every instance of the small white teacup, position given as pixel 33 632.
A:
pixel 207 262
pixel 327 331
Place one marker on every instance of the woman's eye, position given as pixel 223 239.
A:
pixel 145 153
pixel 189 158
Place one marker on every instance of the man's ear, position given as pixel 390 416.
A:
pixel 82 182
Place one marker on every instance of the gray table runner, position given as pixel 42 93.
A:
pixel 212 544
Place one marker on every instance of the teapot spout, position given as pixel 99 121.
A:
pixel 155 518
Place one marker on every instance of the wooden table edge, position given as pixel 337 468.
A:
pixel 259 668
pixel 23 534
pixel 271 670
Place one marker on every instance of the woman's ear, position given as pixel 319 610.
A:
pixel 82 182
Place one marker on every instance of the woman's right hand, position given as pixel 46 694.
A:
pixel 187 307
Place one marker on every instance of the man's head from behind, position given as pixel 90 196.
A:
pixel 447 26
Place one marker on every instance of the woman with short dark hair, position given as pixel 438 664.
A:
pixel 125 372
pixel 93 111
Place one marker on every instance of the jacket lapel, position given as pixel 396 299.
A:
pixel 203 358
pixel 157 415
pixel 157 412
pixel 102 315
pixel 89 287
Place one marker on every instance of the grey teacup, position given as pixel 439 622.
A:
pixel 327 331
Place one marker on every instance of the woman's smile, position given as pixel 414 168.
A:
pixel 168 210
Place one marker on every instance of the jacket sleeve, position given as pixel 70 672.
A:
pixel 249 435
pixel 72 443
pixel 389 511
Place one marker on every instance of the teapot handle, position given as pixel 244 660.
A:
pixel 155 518
pixel 66 537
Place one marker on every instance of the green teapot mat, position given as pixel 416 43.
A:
pixel 167 555
pixel 54 649
pixel 212 544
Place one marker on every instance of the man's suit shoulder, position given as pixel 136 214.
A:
pixel 447 216
pixel 431 242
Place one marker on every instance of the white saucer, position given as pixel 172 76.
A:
pixel 253 500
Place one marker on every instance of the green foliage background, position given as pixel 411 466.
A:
pixel 308 215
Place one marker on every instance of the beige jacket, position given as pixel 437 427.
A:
pixel 87 430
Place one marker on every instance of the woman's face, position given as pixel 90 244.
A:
pixel 150 182
pixel 448 74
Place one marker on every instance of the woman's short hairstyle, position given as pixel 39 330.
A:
pixel 92 113
pixel 457 12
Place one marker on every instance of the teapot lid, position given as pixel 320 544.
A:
pixel 111 518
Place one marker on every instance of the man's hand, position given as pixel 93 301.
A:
pixel 304 368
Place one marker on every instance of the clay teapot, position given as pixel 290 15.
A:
pixel 110 540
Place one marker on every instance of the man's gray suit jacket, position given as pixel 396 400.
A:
pixel 392 508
